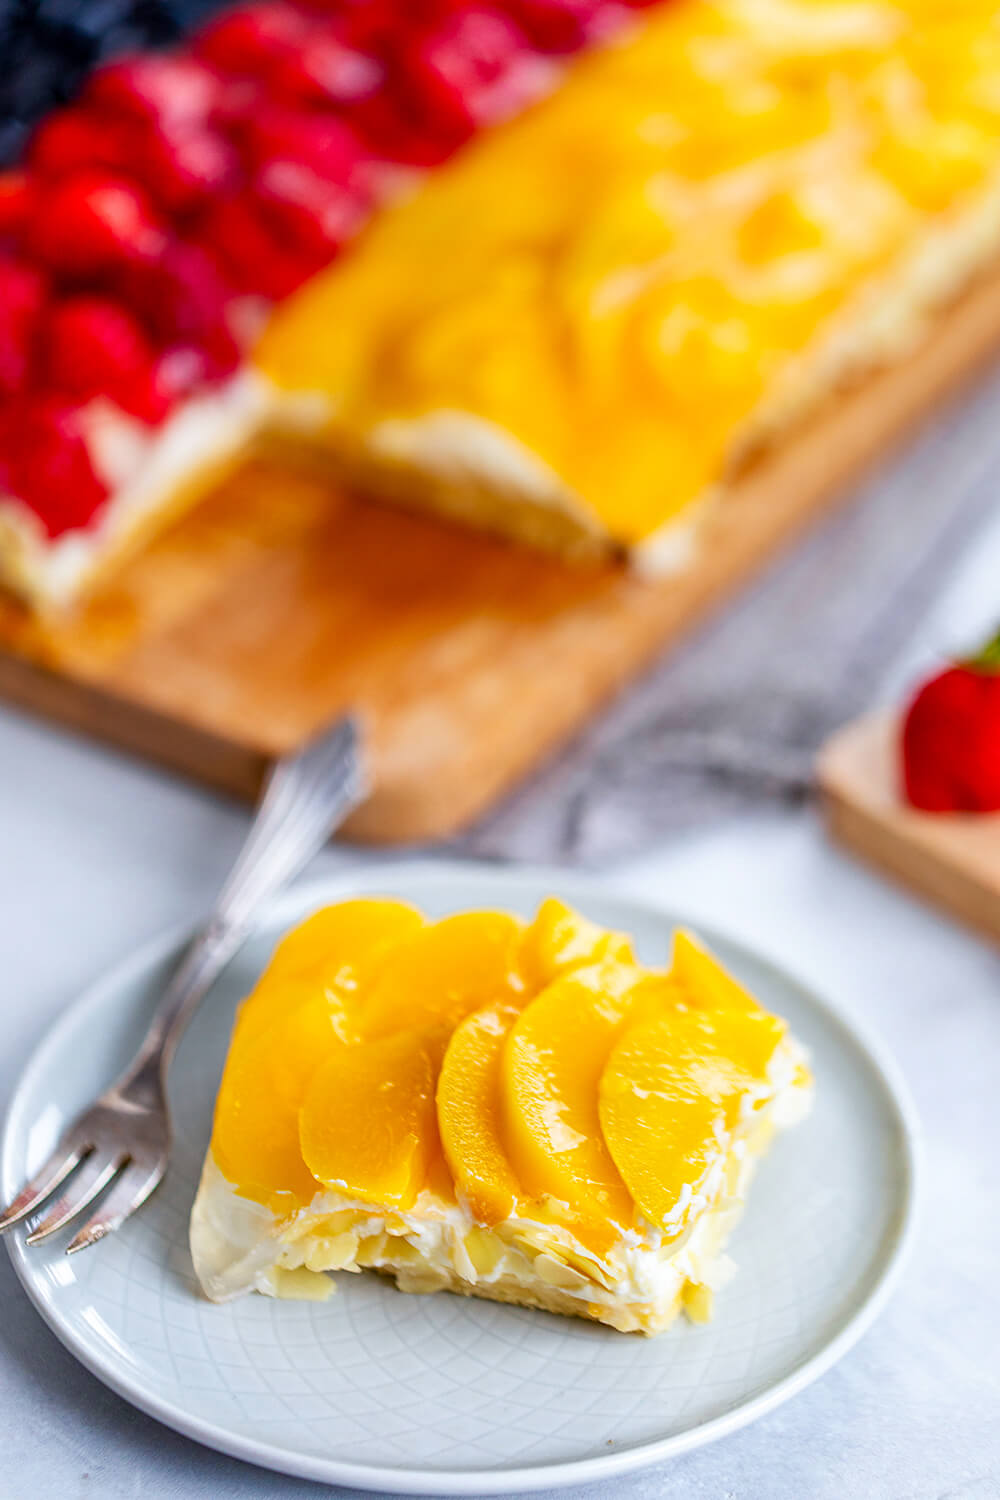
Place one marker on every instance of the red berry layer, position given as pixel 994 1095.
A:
pixel 179 184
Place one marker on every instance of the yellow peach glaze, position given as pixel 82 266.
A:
pixel 510 1110
pixel 700 233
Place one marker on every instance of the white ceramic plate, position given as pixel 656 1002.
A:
pixel 445 1395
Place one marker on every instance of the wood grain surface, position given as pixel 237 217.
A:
pixel 950 860
pixel 280 601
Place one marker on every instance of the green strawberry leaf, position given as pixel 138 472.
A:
pixel 987 659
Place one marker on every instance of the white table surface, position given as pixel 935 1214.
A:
pixel 98 853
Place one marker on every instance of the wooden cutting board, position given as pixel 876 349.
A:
pixel 950 860
pixel 279 602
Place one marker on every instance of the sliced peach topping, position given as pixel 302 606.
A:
pixel 670 1094
pixel 308 995
pixel 368 1126
pixel 469 1113
pixel 552 1061
pixel 380 1055
pixel 560 939
pixel 338 951
pixel 705 981
pixel 444 972
pixel 255 1139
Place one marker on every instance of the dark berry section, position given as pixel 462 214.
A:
pixel 49 46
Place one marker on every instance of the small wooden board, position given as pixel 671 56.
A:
pixel 279 602
pixel 950 860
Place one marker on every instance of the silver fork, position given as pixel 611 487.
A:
pixel 122 1143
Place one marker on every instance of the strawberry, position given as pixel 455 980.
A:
pixel 322 71
pixel 75 138
pixel 326 145
pixel 16 198
pixel 951 738
pixel 319 217
pixel 22 297
pixel 240 98
pixel 375 26
pixel 250 38
pixel 566 25
pixel 175 374
pixel 180 162
pixel 184 298
pixel 474 68
pixel 8 480
pixel 47 462
pixel 396 128
pixel 184 169
pixel 161 88
pixel 250 251
pixel 94 222
pixel 93 346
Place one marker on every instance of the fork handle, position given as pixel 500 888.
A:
pixel 306 798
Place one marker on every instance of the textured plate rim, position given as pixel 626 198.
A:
pixel 469 1482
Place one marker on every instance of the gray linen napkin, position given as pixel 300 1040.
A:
pixel 735 716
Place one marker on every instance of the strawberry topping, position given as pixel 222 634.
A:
pixel 16 200
pixel 251 251
pixel 374 26
pixel 186 169
pixel 324 144
pixel 475 67
pixel 92 347
pixel 170 90
pixel 322 71
pixel 47 464
pixel 566 25
pixel 94 222
pixel 301 205
pixel 22 298
pixel 78 139
pixel 250 38
pixel 184 298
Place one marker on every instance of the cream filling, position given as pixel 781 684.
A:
pixel 461 447
pixel 240 1246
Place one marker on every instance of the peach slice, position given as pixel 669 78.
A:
pixel 552 1063
pixel 338 951
pixel 368 1126
pixel 255 1139
pixel 560 939
pixel 670 1094
pixel 469 1113
pixel 442 973
pixel 705 981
